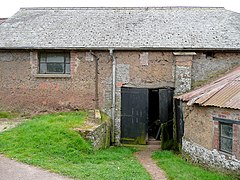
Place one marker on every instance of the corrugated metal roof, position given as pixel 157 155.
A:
pixel 224 92
pixel 122 28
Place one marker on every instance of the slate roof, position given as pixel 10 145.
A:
pixel 122 28
pixel 224 92
pixel 2 20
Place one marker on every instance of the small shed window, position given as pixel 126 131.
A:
pixel 226 137
pixel 54 63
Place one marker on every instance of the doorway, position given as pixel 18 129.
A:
pixel 154 124
pixel 143 111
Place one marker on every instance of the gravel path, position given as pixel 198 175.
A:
pixel 150 165
pixel 12 170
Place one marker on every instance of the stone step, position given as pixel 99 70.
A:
pixel 154 142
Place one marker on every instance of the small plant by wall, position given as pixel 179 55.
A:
pixel 98 132
pixel 166 135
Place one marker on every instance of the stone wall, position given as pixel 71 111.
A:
pixel 138 69
pixel 100 136
pixel 183 71
pixel 23 89
pixel 201 135
pixel 210 65
pixel 214 158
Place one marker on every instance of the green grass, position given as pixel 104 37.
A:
pixel 9 115
pixel 177 168
pixel 48 141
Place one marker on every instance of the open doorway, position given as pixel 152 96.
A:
pixel 154 124
pixel 143 110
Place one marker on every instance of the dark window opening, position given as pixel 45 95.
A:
pixel 210 54
pixel 226 137
pixel 54 63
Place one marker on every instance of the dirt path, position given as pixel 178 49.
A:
pixel 6 124
pixel 150 165
pixel 12 170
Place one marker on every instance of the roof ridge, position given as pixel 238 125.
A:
pixel 121 8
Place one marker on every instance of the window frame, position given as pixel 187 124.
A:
pixel 222 136
pixel 66 61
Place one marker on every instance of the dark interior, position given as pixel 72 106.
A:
pixel 153 114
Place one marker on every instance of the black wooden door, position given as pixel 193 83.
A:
pixel 134 115
pixel 179 121
pixel 166 117
pixel 165 105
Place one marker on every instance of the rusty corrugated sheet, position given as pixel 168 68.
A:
pixel 224 97
pixel 234 102
pixel 224 92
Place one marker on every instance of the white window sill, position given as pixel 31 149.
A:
pixel 225 153
pixel 52 75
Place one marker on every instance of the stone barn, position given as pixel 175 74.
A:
pixel 127 62
pixel 211 119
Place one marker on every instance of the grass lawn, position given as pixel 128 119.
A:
pixel 177 168
pixel 48 141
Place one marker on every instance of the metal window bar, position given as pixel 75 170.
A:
pixel 44 56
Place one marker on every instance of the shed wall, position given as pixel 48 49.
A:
pixel 200 127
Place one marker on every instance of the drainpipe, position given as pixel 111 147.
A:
pixel 96 80
pixel 113 93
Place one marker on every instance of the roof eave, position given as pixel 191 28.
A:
pixel 125 48
pixel 203 105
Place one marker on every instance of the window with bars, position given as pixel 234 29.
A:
pixel 226 137
pixel 54 63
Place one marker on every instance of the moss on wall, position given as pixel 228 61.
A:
pixel 210 77
pixel 167 140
